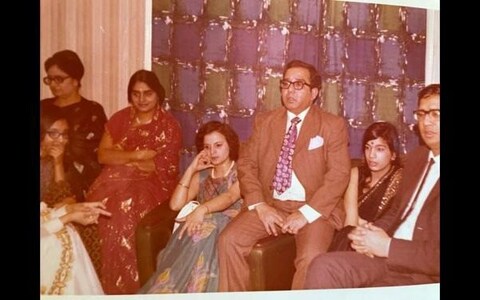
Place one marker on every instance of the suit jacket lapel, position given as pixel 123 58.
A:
pixel 309 129
pixel 277 131
pixel 413 180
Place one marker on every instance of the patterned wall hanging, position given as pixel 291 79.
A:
pixel 223 60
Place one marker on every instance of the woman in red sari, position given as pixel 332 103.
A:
pixel 140 153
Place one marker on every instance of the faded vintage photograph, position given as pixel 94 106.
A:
pixel 276 148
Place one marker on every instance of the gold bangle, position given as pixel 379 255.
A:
pixel 183 185
pixel 206 206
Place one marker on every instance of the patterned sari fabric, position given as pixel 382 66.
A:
pixel 190 265
pixel 130 193
pixel 373 203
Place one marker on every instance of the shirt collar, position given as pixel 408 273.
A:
pixel 301 115
pixel 435 158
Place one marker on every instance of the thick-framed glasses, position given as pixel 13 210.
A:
pixel 57 79
pixel 420 114
pixel 298 85
pixel 56 134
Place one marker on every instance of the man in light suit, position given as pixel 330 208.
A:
pixel 310 206
pixel 403 247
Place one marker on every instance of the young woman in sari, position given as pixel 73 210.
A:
pixel 65 267
pixel 188 264
pixel 373 184
pixel 140 152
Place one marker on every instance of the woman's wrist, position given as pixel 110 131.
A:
pixel 69 207
pixel 58 161
pixel 185 180
pixel 183 185
pixel 207 209
pixel 65 219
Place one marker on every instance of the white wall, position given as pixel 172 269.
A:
pixel 112 38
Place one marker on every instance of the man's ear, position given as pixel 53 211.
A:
pixel 315 93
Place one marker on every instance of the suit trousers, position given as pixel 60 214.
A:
pixel 354 270
pixel 238 238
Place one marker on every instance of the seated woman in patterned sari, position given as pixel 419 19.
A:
pixel 188 264
pixel 373 184
pixel 140 152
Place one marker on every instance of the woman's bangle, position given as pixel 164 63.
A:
pixel 208 210
pixel 183 185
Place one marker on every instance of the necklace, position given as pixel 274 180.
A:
pixel 226 173
pixel 144 122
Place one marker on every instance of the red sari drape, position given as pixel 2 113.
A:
pixel 130 193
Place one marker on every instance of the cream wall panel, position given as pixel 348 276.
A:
pixel 110 36
pixel 432 60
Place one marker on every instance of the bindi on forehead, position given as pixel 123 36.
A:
pixel 376 142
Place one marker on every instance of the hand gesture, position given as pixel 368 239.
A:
pixel 193 222
pixel 87 213
pixel 269 217
pixel 201 161
pixel 294 223
pixel 56 151
pixel 370 240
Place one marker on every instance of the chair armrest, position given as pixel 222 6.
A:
pixel 271 263
pixel 151 235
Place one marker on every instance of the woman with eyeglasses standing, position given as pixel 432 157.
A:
pixel 87 119
pixel 65 266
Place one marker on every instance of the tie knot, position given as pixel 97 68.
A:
pixel 295 120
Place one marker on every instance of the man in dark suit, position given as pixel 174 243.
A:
pixel 298 194
pixel 403 247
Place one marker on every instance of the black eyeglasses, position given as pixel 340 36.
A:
pixel 420 114
pixel 57 79
pixel 56 134
pixel 298 85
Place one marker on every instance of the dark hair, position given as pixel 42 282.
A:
pixel 69 62
pixel 149 78
pixel 315 78
pixel 388 133
pixel 225 130
pixel 429 90
pixel 47 118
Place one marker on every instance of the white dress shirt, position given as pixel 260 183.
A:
pixel 406 228
pixel 295 192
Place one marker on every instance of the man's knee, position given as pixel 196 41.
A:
pixel 320 272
